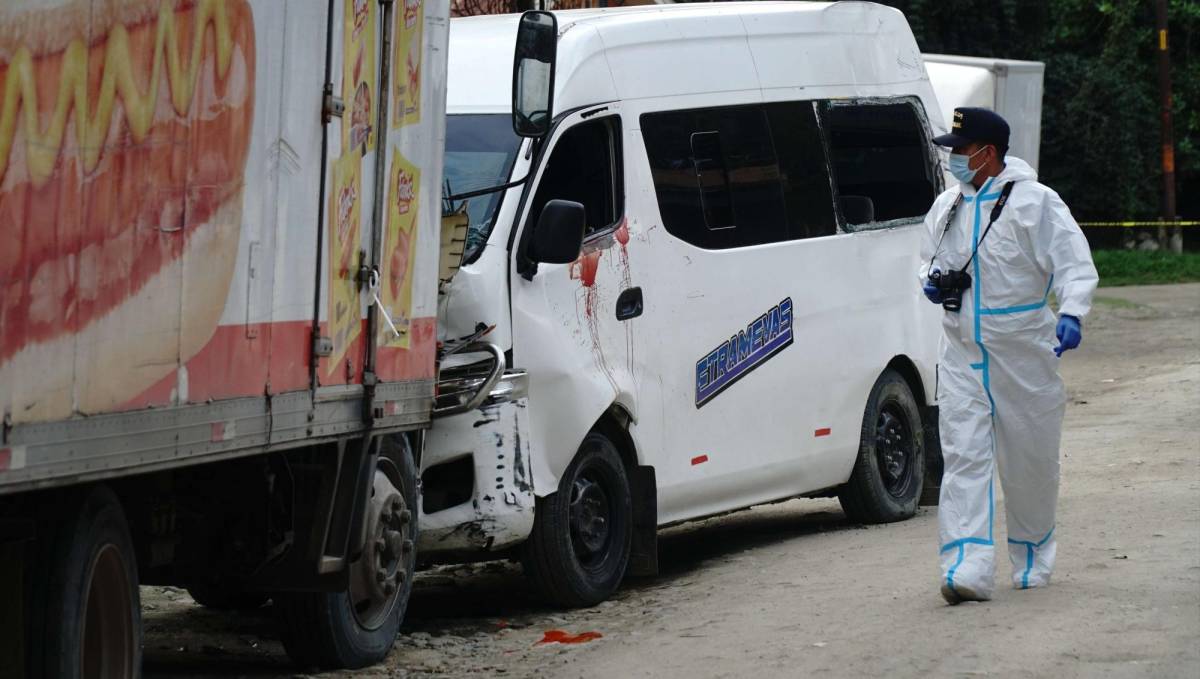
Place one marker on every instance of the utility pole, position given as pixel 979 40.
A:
pixel 1175 239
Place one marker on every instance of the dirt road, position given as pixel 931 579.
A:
pixel 795 590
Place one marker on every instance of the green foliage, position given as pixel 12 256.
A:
pixel 1100 112
pixel 1137 267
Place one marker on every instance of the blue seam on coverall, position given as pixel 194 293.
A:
pixel 982 195
pixel 1029 547
pixel 990 311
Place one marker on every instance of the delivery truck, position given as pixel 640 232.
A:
pixel 219 267
pixel 1009 87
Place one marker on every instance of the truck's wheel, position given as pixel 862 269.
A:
pixel 579 548
pixel 227 597
pixel 86 618
pixel 357 627
pixel 890 469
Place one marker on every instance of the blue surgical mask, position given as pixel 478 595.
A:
pixel 960 166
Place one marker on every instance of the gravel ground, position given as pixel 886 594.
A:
pixel 794 589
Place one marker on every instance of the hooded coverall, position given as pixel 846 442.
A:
pixel 1000 397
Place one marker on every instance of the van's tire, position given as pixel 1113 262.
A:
pixel 357 627
pixel 227 597
pixel 580 546
pixel 85 617
pixel 890 470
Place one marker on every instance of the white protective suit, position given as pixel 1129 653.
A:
pixel 1000 397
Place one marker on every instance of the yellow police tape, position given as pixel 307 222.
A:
pixel 1140 224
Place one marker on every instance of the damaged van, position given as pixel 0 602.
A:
pixel 688 279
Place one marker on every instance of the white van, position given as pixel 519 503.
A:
pixel 700 278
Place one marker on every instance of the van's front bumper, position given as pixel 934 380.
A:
pixel 479 459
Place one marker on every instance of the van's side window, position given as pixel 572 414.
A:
pixel 585 167
pixel 740 175
pixel 881 161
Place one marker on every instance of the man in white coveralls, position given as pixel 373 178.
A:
pixel 997 244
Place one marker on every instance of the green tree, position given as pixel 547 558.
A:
pixel 1100 115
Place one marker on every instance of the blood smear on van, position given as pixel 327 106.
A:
pixel 699 459
pixel 823 432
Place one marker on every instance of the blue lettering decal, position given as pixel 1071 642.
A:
pixel 772 324
pixel 756 332
pixel 743 345
pixel 744 351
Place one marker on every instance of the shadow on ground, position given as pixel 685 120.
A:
pixel 184 639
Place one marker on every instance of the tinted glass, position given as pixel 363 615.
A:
pixel 742 175
pixel 583 167
pixel 880 153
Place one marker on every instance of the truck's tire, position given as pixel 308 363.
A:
pixel 579 549
pixel 227 597
pixel 357 627
pixel 85 613
pixel 890 470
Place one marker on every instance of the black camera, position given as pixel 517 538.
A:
pixel 951 284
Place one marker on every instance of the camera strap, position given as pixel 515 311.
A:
pixel 996 210
pixel 946 227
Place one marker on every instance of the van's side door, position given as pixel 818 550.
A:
pixel 741 276
pixel 779 254
pixel 566 330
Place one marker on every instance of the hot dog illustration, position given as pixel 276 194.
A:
pixel 124 131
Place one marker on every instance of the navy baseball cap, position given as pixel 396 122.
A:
pixel 975 125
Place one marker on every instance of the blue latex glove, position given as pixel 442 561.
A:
pixel 931 292
pixel 1069 333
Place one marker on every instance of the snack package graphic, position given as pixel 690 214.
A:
pixel 406 64
pixel 344 312
pixel 399 245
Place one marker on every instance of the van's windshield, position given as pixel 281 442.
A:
pixel 480 151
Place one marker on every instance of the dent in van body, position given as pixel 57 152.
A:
pixel 499 513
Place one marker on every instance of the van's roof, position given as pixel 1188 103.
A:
pixel 678 50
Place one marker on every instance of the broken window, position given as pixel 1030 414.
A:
pixel 740 175
pixel 882 165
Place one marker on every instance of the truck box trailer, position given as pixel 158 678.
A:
pixel 218 289
pixel 1010 87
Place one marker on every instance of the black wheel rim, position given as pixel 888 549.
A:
pixel 590 518
pixel 378 577
pixel 895 449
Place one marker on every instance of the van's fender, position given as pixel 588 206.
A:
pixel 575 405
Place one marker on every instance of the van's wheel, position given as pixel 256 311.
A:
pixel 226 597
pixel 890 469
pixel 357 627
pixel 85 613
pixel 580 545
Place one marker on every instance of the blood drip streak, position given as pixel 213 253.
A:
pixel 626 283
pixel 42 149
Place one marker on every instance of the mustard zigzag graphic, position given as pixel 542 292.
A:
pixel 117 79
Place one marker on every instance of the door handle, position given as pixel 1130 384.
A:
pixel 629 304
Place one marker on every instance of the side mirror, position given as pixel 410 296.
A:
pixel 558 236
pixel 857 209
pixel 533 74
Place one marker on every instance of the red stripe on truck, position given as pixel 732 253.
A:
pixel 250 360
pixel 699 459
pixel 822 432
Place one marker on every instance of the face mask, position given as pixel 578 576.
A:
pixel 960 166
